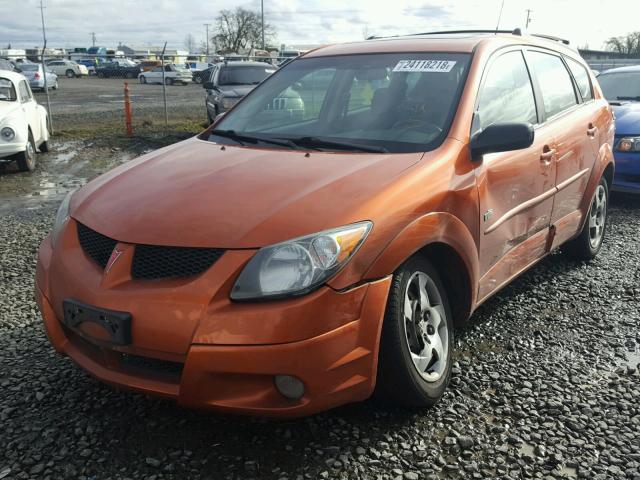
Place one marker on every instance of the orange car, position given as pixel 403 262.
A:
pixel 324 238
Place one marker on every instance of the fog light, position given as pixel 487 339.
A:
pixel 289 386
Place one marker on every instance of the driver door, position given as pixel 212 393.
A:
pixel 516 188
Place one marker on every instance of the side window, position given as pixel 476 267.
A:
pixel 507 93
pixel 582 79
pixel 24 92
pixel 555 82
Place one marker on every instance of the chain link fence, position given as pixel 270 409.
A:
pixel 85 92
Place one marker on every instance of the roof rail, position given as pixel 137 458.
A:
pixel 515 31
pixel 551 37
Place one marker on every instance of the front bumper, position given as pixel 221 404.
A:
pixel 627 174
pixel 8 149
pixel 328 339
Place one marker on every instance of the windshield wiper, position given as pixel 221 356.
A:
pixel 637 99
pixel 320 143
pixel 243 138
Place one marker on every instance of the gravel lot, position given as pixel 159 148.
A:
pixel 546 383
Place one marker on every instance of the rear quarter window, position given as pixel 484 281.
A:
pixel 581 76
pixel 555 82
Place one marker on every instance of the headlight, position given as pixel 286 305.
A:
pixel 229 102
pixel 61 218
pixel 7 134
pixel 300 265
pixel 629 144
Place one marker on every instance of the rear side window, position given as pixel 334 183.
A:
pixel 507 94
pixel 555 82
pixel 582 79
pixel 24 92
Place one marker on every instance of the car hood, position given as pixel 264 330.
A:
pixel 236 90
pixel 7 108
pixel 200 194
pixel 627 118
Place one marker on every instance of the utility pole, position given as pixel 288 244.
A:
pixel 528 18
pixel 44 67
pixel 207 25
pixel 93 39
pixel 262 16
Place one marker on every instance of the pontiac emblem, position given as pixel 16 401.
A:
pixel 115 255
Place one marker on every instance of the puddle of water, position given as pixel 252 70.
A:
pixel 64 157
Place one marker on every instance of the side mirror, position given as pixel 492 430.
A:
pixel 502 137
pixel 207 85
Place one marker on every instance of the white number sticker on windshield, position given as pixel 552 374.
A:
pixel 424 66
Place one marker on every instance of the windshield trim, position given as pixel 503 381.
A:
pixel 433 145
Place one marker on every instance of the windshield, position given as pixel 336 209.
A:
pixel 29 67
pixel 7 92
pixel 620 86
pixel 243 75
pixel 401 102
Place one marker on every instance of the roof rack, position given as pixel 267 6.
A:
pixel 515 31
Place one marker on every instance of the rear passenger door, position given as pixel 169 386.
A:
pixel 572 120
pixel 515 188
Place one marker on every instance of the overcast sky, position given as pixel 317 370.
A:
pixel 151 22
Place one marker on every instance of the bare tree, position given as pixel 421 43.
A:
pixel 240 29
pixel 629 44
pixel 190 43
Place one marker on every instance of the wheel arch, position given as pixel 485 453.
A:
pixel 448 244
pixel 604 166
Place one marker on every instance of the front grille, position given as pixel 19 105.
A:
pixel 154 262
pixel 96 245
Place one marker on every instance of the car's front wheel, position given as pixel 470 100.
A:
pixel 589 242
pixel 27 160
pixel 70 73
pixel 168 81
pixel 142 79
pixel 417 338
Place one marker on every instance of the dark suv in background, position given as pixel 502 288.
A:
pixel 230 81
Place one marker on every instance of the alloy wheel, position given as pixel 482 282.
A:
pixel 597 216
pixel 426 330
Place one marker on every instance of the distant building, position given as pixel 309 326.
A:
pixel 602 60
pixel 588 54
pixel 171 55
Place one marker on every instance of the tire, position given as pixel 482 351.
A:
pixel 129 75
pixel 168 81
pixel 27 160
pixel 142 79
pixel 399 380
pixel 55 85
pixel 70 73
pixel 44 147
pixel 197 79
pixel 589 242
pixel 100 74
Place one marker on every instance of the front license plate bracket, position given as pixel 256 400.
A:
pixel 116 324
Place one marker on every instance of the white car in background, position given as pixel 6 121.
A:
pixel 172 74
pixel 23 123
pixel 69 68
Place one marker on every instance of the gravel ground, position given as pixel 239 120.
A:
pixel 546 385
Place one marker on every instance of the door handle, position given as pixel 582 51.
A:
pixel 547 155
pixel 591 131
